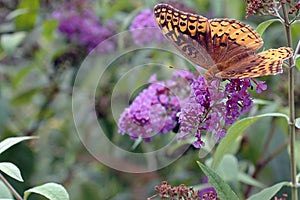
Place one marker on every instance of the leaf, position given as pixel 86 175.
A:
pixel 8 142
pixel 49 27
pixel 269 192
pixel 5 192
pixel 234 133
pixel 52 191
pixel 26 21
pixel 298 62
pixel 264 25
pixel 25 97
pixel 11 170
pixel 16 13
pixel 228 164
pixel 21 75
pixel 245 178
pixel 297 122
pixel 10 42
pixel 222 188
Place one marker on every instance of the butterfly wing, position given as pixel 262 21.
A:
pixel 265 63
pixel 231 37
pixel 189 33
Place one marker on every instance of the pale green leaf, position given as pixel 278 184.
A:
pixel 5 192
pixel 269 192
pixel 264 25
pixel 245 178
pixel 235 132
pixel 8 142
pixel 10 42
pixel 223 189
pixel 16 13
pixel 52 191
pixel 11 170
pixel 297 123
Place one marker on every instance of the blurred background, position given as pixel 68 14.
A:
pixel 44 43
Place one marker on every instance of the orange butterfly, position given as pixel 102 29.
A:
pixel 225 47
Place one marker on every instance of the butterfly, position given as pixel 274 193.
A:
pixel 225 47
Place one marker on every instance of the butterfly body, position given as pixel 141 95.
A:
pixel 225 47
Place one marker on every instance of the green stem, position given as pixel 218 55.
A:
pixel 10 187
pixel 292 129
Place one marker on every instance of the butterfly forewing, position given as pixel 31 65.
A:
pixel 230 37
pixel 189 33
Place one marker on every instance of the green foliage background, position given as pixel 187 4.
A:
pixel 35 96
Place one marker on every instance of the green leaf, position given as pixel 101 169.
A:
pixel 21 75
pixel 245 178
pixel 49 27
pixel 16 13
pixel 222 188
pixel 269 192
pixel 10 42
pixel 228 164
pixel 25 97
pixel 52 191
pixel 8 142
pixel 11 170
pixel 297 122
pixel 5 192
pixel 264 25
pixel 26 21
pixel 298 63
pixel 234 134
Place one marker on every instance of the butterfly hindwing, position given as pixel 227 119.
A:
pixel 264 63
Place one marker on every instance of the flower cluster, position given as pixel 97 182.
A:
pixel 154 110
pixel 284 197
pixel 270 6
pixel 211 108
pixel 144 29
pixel 206 107
pixel 261 7
pixel 80 24
pixel 294 7
pixel 183 192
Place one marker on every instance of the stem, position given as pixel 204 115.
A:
pixel 10 187
pixel 291 106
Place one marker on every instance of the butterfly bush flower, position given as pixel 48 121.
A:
pixel 154 110
pixel 211 108
pixel 202 107
pixel 166 191
pixel 270 7
pixel 79 23
pixel 144 29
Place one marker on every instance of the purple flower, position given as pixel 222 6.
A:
pixel 208 194
pixel 154 110
pixel 211 108
pixel 81 25
pixel 197 105
pixel 144 29
pixel 260 86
